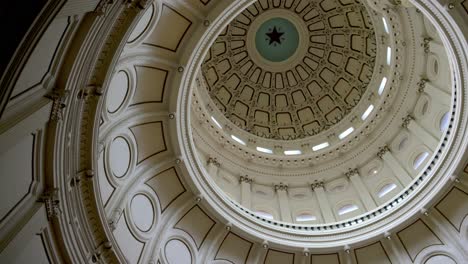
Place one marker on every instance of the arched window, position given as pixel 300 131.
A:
pixel 403 143
pixel 305 217
pixel 386 189
pixel 264 214
pixel 444 122
pixel 345 209
pixel 419 160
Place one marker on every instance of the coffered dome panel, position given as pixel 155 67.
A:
pixel 291 69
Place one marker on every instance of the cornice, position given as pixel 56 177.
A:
pixel 73 130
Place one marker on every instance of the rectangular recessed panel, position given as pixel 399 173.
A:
pixel 16 166
pixel 454 207
pixel 211 77
pixel 234 249
pixel 417 237
pixel 171 39
pixel 261 130
pixel 283 119
pixel 279 257
pixel 197 224
pixel 325 259
pixel 262 117
pixel 150 139
pixel 371 254
pixel 218 48
pixel 167 187
pixel 151 83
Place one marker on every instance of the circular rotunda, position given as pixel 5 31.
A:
pixel 333 140
pixel 240 131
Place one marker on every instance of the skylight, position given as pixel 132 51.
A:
pixel 346 133
pixel 367 112
pixel 389 55
pixel 240 141
pixel 382 85
pixel 320 146
pixel 292 152
pixel 216 122
pixel 385 25
pixel 264 150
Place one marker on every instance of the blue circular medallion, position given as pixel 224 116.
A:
pixel 277 39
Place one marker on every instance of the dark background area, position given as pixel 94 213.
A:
pixel 16 17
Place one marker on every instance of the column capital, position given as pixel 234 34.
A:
pixel 382 151
pixel 90 91
pixel 351 172
pixel 213 161
pixel 103 7
pixel 51 201
pixel 58 98
pixel 406 120
pixel 422 84
pixel 426 42
pixel 281 187
pixel 317 184
pixel 245 178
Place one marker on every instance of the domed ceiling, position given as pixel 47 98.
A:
pixel 284 70
pixel 126 163
pixel 318 114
